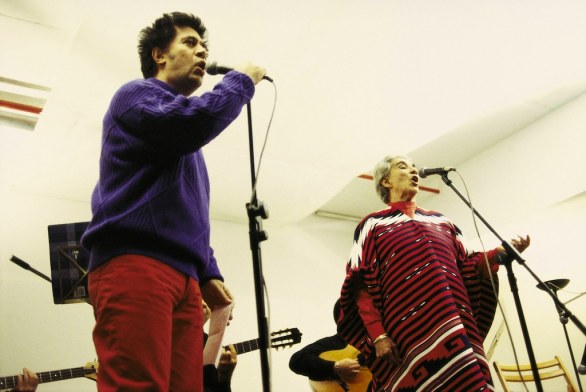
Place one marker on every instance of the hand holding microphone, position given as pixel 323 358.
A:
pixel 255 72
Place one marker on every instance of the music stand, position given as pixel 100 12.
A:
pixel 69 262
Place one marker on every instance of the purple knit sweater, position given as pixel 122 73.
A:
pixel 152 196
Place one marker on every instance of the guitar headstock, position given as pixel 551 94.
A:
pixel 90 370
pixel 285 338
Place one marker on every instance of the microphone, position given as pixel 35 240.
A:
pixel 426 171
pixel 582 367
pixel 214 68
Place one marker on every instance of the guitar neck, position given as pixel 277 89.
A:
pixel 279 339
pixel 55 375
pixel 247 346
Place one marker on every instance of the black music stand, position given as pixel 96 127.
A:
pixel 69 263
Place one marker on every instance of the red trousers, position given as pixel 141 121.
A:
pixel 149 326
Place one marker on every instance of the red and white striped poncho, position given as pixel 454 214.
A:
pixel 433 304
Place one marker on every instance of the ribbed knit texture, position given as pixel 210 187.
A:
pixel 152 196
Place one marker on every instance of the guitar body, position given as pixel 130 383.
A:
pixel 358 383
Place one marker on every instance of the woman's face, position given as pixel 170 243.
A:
pixel 402 181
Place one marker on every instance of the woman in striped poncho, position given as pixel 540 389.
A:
pixel 415 301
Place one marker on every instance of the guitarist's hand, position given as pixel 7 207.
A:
pixel 346 368
pixel 387 349
pixel 27 381
pixel 227 363
pixel 215 294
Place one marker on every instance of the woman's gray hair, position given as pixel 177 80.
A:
pixel 382 170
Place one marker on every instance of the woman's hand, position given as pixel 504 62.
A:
pixel 521 243
pixel 387 349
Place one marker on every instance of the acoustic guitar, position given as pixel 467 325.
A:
pixel 279 339
pixel 90 370
pixel 358 383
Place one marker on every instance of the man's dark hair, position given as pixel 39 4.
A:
pixel 161 33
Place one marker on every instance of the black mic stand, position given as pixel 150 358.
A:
pixel 256 213
pixel 513 254
pixel 555 285
pixel 27 267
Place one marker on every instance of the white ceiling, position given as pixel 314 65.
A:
pixel 355 81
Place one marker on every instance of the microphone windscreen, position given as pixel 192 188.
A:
pixel 212 68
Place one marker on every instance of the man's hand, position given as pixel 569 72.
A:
pixel 255 72
pixel 216 294
pixel 346 368
pixel 227 364
pixel 26 382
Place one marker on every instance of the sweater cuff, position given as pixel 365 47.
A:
pixel 370 315
pixel 212 271
pixel 238 81
pixel 494 267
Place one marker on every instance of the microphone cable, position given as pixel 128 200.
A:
pixel 264 145
pixel 252 199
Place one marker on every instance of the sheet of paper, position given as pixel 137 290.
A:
pixel 218 322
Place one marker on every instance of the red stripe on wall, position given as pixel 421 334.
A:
pixel 21 107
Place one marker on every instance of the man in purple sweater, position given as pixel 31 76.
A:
pixel 149 238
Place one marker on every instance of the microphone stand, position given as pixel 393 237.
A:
pixel 256 213
pixel 512 254
pixel 555 285
pixel 26 266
